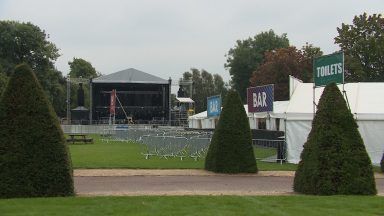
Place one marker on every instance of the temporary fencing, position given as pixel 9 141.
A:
pixel 175 146
pixel 279 145
pixel 180 143
pixel 163 143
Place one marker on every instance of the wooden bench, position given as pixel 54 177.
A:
pixel 73 138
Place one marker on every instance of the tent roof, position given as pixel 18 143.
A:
pixel 184 100
pixel 279 108
pixel 130 75
pixel 365 100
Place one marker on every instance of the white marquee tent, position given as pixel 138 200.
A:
pixel 366 101
pixel 201 121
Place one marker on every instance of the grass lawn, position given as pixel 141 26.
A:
pixel 128 155
pixel 196 205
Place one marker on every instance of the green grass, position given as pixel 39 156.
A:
pixel 196 205
pixel 128 155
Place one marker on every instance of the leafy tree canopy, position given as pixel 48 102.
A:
pixel 204 85
pixel 281 63
pixel 25 42
pixel 3 81
pixel 363 45
pixel 82 68
pixel 248 54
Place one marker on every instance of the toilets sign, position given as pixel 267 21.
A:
pixel 329 68
pixel 260 99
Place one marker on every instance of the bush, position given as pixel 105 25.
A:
pixel 382 163
pixel 334 159
pixel 231 146
pixel 34 159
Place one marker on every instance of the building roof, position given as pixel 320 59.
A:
pixel 130 75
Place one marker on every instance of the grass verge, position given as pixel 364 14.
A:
pixel 196 205
pixel 119 154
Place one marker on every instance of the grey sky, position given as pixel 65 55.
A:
pixel 167 38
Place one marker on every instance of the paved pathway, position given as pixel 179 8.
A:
pixel 186 182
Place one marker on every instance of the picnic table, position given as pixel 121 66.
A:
pixel 73 138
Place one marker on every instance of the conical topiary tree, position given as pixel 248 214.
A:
pixel 34 159
pixel 382 163
pixel 334 159
pixel 231 149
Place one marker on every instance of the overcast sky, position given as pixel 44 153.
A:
pixel 167 38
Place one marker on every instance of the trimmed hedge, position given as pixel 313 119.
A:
pixel 334 159
pixel 34 158
pixel 382 164
pixel 231 148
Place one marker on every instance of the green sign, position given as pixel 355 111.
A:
pixel 329 68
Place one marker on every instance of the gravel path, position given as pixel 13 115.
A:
pixel 169 172
pixel 105 182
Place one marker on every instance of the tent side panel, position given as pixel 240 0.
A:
pixel 296 136
pixel 373 136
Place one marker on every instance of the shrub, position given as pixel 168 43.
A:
pixel 231 146
pixel 34 159
pixel 334 159
pixel 382 163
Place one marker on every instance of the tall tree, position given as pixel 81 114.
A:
pixel 25 42
pixel 220 87
pixel 208 87
pixel 248 54
pixel 277 67
pixel 204 85
pixel 3 81
pixel 363 45
pixel 310 52
pixel 82 68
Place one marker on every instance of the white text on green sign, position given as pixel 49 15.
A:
pixel 329 68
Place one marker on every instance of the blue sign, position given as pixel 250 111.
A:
pixel 214 106
pixel 260 99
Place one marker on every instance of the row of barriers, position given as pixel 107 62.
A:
pixel 168 142
pixel 173 146
pixel 163 143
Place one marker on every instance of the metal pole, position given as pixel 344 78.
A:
pixel 169 100
pixel 90 101
pixel 190 88
pixel 345 92
pixel 68 99
pixel 314 89
pixel 314 100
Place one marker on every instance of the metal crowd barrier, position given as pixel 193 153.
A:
pixel 279 145
pixel 174 146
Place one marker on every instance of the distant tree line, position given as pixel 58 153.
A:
pixel 204 85
pixel 268 58
pixel 27 43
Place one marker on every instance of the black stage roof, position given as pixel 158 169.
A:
pixel 130 75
